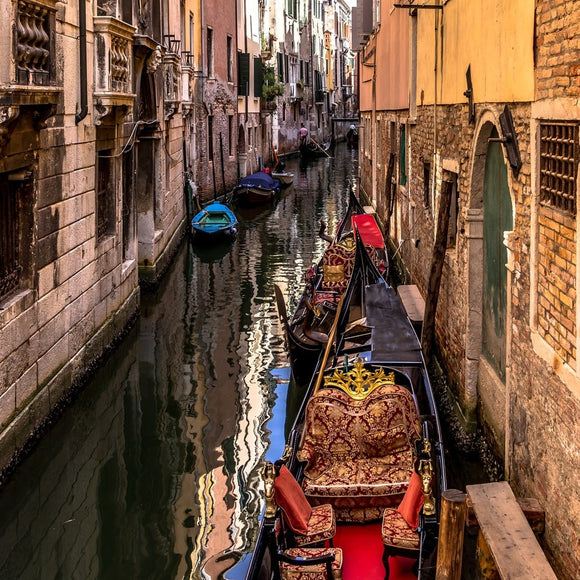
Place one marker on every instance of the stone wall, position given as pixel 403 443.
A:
pixel 531 418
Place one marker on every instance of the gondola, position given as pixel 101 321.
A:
pixel 357 491
pixel 307 329
pixel 255 189
pixel 214 220
pixel 310 149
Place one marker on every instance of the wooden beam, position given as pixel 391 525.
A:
pixel 428 332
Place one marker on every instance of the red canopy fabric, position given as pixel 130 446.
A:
pixel 368 229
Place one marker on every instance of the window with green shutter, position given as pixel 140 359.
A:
pixel 280 67
pixel 243 73
pixel 402 156
pixel 258 76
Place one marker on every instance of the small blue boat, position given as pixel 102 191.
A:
pixel 215 219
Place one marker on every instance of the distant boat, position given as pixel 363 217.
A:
pixel 284 177
pixel 256 188
pixel 215 219
pixel 313 150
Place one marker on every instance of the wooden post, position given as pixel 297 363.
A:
pixel 451 530
pixel 428 334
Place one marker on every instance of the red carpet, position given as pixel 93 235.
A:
pixel 363 554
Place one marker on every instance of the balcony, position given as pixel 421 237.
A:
pixel 28 73
pixel 113 65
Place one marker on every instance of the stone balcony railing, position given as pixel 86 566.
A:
pixel 113 64
pixel 28 72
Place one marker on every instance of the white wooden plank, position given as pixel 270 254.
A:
pixel 413 302
pixel 510 538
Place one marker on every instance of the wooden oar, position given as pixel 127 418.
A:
pixel 331 338
pixel 316 143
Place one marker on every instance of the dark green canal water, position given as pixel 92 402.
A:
pixel 154 471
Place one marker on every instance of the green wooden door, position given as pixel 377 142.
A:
pixel 497 219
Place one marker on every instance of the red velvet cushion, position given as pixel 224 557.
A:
pixel 412 502
pixel 290 497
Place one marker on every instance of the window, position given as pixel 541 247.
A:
pixel 210 137
pixel 402 156
pixel 281 76
pixel 243 74
pixel 559 165
pixel 105 193
pixel 191 30
pixel 15 232
pixel 230 135
pixel 427 184
pixel 453 211
pixel 209 53
pixel 230 50
pixel 292 7
pixel 258 76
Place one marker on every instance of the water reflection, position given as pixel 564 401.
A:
pixel 154 472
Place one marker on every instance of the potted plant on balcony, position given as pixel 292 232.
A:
pixel 271 87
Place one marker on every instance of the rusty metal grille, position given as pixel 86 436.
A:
pixel 559 165
pixel 9 231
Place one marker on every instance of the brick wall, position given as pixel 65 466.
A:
pixel 557 49
pixel 557 281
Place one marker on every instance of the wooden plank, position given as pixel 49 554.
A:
pixel 413 302
pixel 531 507
pixel 514 547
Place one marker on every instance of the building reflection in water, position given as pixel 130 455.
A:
pixel 154 471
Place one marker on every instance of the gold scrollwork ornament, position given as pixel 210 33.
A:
pixel 269 475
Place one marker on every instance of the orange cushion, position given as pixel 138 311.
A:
pixel 412 502
pixel 291 499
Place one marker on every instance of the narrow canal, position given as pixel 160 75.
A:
pixel 154 471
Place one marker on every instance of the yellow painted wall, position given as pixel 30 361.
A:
pixel 494 36
pixel 392 62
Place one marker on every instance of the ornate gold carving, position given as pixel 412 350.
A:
pixel 287 453
pixel 348 243
pixel 359 382
pixel 426 473
pixel 268 474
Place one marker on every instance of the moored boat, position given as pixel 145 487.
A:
pixel 255 189
pixel 284 177
pixel 356 494
pixel 215 219
pixel 307 329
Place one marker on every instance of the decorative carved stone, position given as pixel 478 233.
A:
pixel 154 60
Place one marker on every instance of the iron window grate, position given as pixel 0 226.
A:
pixel 559 165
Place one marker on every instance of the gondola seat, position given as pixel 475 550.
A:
pixel 359 453
pixel 307 525
pixel 295 565
pixel 399 527
pixel 337 264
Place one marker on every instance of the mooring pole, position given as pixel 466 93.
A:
pixel 428 333
pixel 451 531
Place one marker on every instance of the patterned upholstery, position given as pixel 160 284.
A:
pixel 337 264
pixel 397 532
pixel 359 454
pixel 321 526
pixel 316 572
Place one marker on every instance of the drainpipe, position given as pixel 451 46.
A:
pixel 82 61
